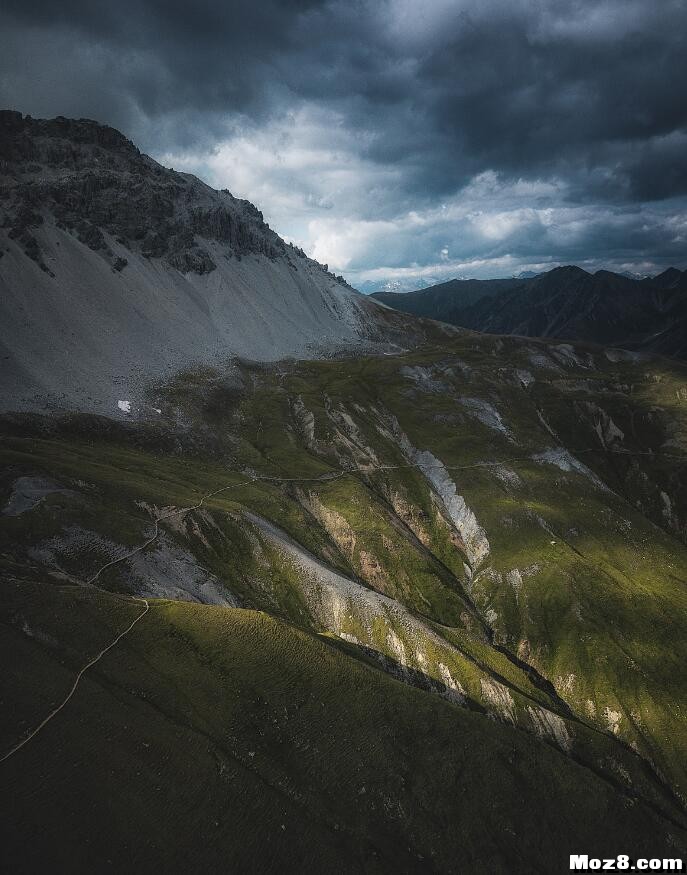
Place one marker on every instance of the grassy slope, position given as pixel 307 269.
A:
pixel 228 740
pixel 594 609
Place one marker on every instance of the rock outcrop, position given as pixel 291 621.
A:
pixel 116 273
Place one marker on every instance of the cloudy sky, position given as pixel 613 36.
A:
pixel 396 140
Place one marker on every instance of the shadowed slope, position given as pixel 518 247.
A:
pixel 226 739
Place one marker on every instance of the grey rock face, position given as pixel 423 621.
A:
pixel 116 273
pixel 91 179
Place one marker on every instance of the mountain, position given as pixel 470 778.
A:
pixel 526 275
pixel 443 301
pixel 383 595
pixel 647 314
pixel 367 609
pixel 603 307
pixel 403 284
pixel 116 272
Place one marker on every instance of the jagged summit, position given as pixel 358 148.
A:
pixel 116 272
pixel 96 182
pixel 23 136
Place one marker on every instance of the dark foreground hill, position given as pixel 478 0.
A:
pixel 567 303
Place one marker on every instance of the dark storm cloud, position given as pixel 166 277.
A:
pixel 588 94
pixel 179 63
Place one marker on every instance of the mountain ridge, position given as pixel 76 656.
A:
pixel 117 272
pixel 470 519
pixel 567 303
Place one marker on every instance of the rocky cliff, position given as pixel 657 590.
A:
pixel 116 272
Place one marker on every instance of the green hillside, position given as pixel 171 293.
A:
pixel 415 612
pixel 229 740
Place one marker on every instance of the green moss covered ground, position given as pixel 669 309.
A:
pixel 363 624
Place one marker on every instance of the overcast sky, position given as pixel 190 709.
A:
pixel 393 139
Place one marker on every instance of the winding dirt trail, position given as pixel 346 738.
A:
pixel 156 527
pixel 332 475
pixel 91 582
pixel 71 692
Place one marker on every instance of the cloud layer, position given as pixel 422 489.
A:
pixel 394 139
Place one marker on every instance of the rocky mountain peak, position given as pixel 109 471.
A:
pixel 117 273
pixel 670 278
pixel 24 139
pixel 566 271
pixel 91 180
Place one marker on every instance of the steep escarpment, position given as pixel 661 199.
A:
pixel 116 272
pixel 93 182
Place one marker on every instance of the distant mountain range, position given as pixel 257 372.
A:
pixel 566 302
pixel 404 284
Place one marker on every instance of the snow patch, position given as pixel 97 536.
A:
pixel 124 406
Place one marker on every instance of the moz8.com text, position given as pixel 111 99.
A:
pixel 623 863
